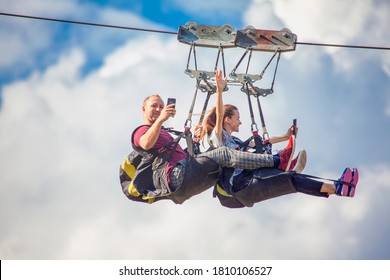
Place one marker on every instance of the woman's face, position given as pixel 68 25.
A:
pixel 232 124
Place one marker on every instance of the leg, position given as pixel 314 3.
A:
pixel 328 188
pixel 312 187
pixel 192 177
pixel 262 184
pixel 226 157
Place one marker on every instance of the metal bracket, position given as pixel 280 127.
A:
pixel 245 78
pixel 256 91
pixel 205 77
pixel 206 35
pixel 200 74
pixel 266 40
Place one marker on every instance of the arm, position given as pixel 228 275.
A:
pixel 221 84
pixel 283 137
pixel 149 139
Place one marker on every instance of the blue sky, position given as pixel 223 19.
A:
pixel 70 95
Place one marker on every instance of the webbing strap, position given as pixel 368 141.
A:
pixel 161 151
pixel 254 129
pixel 175 142
pixel 191 149
pixel 266 143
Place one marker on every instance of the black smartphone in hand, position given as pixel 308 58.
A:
pixel 171 101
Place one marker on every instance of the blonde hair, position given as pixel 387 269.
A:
pixel 150 96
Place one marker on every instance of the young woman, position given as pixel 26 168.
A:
pixel 239 188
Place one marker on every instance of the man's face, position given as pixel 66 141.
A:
pixel 152 109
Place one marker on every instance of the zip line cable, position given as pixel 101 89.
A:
pixel 175 33
pixel 342 46
pixel 89 23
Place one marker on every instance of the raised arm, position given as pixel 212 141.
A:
pixel 221 84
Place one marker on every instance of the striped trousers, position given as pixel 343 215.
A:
pixel 224 157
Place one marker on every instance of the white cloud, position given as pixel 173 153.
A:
pixel 261 15
pixel 332 22
pixel 40 36
pixel 68 137
pixel 323 21
pixel 40 7
pixel 36 35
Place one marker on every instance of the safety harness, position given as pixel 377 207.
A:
pixel 143 173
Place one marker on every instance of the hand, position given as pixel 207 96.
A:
pixel 291 130
pixel 198 131
pixel 167 112
pixel 221 82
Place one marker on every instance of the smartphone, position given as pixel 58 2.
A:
pixel 171 101
pixel 295 126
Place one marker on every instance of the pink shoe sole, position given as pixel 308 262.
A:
pixel 354 181
pixel 345 177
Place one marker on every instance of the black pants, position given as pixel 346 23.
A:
pixel 201 173
pixel 251 187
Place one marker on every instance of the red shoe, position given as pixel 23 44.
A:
pixel 286 154
pixel 299 163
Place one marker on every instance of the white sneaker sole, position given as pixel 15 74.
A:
pixel 292 153
pixel 301 162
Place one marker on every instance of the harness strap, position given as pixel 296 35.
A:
pixel 192 148
pixel 254 129
pixel 163 149
pixel 267 144
pixel 186 134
